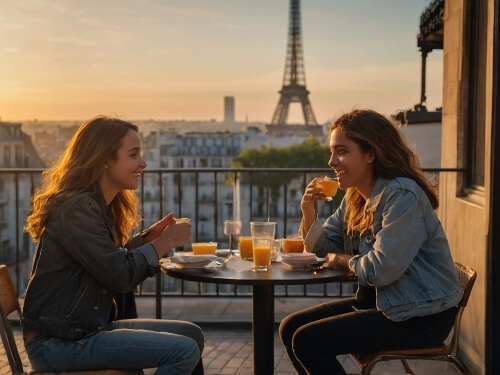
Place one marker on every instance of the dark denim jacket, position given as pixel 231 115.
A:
pixel 77 268
pixel 405 256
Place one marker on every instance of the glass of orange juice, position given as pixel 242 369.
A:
pixel 293 245
pixel 246 247
pixel 329 187
pixel 201 248
pixel 262 240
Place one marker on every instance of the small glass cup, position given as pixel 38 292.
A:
pixel 275 250
pixel 262 240
pixel 201 248
pixel 293 245
pixel 329 187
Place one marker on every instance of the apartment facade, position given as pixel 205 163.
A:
pixel 469 202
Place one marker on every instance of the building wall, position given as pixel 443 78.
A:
pixel 464 213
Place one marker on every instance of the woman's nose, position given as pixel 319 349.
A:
pixel 333 161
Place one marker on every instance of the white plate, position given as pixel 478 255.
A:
pixel 222 252
pixel 304 266
pixel 298 255
pixel 301 260
pixel 192 261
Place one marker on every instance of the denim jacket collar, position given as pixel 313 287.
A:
pixel 376 195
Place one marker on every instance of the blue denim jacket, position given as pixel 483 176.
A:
pixel 406 256
pixel 77 268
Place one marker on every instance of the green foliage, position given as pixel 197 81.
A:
pixel 309 154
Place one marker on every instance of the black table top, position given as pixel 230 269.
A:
pixel 239 272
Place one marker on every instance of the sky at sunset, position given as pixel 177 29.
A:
pixel 177 59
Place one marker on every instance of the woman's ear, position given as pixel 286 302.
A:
pixel 371 158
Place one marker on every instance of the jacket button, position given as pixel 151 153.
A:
pixel 99 328
pixel 96 308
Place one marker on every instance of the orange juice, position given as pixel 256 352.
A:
pixel 200 248
pixel 329 186
pixel 293 245
pixel 262 256
pixel 245 246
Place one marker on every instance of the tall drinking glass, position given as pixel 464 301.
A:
pixel 262 239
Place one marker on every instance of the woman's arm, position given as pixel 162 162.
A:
pixel 307 206
pixel 398 241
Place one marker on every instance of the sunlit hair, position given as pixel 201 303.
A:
pixel 374 133
pixel 79 167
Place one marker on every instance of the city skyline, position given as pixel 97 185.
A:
pixel 173 59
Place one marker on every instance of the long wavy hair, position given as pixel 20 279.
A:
pixel 374 133
pixel 78 168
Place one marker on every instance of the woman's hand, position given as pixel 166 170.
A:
pixel 311 195
pixel 157 228
pixel 171 237
pixel 338 261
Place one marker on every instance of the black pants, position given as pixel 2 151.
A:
pixel 315 336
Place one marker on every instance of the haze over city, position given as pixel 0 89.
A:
pixel 177 59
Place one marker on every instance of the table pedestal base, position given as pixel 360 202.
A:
pixel 263 329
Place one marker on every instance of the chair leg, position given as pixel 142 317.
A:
pixel 367 370
pixel 407 367
pixel 369 367
pixel 458 363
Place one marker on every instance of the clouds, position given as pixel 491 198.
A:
pixel 178 58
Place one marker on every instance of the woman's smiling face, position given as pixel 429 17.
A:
pixel 352 165
pixel 125 171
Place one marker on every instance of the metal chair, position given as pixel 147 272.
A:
pixel 9 303
pixel 443 352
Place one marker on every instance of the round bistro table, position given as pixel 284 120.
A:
pixel 239 272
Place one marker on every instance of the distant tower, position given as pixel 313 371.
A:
pixel 294 80
pixel 229 109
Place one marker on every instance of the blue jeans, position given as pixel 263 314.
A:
pixel 173 347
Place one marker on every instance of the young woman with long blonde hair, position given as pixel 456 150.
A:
pixel 82 219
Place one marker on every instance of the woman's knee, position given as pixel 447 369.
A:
pixel 189 351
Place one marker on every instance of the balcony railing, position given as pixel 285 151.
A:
pixel 208 196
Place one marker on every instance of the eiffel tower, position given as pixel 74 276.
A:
pixel 294 80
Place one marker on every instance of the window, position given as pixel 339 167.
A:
pixel 19 156
pixel 477 95
pixel 6 156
